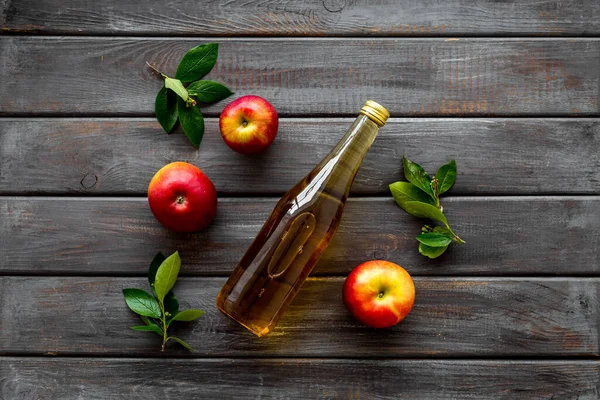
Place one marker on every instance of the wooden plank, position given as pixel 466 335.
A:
pixel 297 379
pixel 452 317
pixel 495 156
pixel 505 236
pixel 108 76
pixel 305 18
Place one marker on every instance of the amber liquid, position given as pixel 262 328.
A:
pixel 294 236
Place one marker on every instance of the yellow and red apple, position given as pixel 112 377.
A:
pixel 379 293
pixel 182 198
pixel 249 124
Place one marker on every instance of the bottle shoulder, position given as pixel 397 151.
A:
pixel 304 199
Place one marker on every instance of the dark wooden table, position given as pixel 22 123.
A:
pixel 510 89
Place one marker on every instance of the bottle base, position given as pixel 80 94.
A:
pixel 257 331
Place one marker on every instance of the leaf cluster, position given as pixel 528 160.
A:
pixel 160 309
pixel 420 196
pixel 176 101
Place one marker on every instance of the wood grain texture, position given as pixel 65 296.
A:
pixel 455 317
pixel 119 157
pixel 30 378
pixel 302 18
pixel 108 76
pixel 505 236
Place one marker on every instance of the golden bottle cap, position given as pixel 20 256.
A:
pixel 376 112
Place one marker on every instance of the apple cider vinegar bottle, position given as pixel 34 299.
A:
pixel 297 232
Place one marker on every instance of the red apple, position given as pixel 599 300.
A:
pixel 249 124
pixel 379 293
pixel 182 198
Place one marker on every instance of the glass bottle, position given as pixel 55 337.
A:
pixel 297 232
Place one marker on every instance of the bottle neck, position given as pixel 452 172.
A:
pixel 353 147
pixel 336 172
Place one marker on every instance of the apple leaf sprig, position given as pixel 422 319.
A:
pixel 420 196
pixel 158 311
pixel 178 101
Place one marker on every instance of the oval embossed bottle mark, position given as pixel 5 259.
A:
pixel 292 242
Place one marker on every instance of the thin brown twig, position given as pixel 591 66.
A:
pixel 155 70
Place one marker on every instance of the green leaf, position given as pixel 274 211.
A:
pixel 422 210
pixel 171 304
pixel 405 191
pixel 197 62
pixel 444 229
pixel 147 321
pixel 188 315
pixel 431 252
pixel 192 122
pixel 156 261
pixel 416 175
pixel 176 86
pixel 448 232
pixel 165 109
pixel 142 303
pixel 148 328
pixel 434 239
pixel 181 342
pixel 166 276
pixel 208 91
pixel 446 176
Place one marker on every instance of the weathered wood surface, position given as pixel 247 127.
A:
pixel 302 18
pixel 505 236
pixel 33 378
pixel 119 157
pixel 108 76
pixel 452 317
pixel 105 244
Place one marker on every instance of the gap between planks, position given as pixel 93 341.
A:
pixel 269 198
pixel 386 35
pixel 19 116
pixel 306 38
pixel 142 358
pixel 551 277
pixel 342 117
